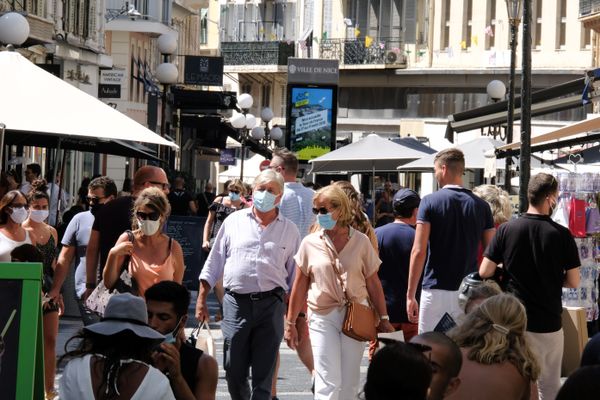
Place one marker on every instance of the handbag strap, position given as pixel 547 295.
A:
pixel 334 263
pixel 127 258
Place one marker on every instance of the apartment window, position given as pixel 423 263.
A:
pixel 383 19
pixel 133 73
pixel 468 26
pixel 562 24
pixel 266 96
pixel 537 18
pixel 490 25
pixel 204 26
pixel 586 38
pixel 445 39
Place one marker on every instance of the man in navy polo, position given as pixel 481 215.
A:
pixel 454 221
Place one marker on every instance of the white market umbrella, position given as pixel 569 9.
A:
pixel 36 103
pixel 370 154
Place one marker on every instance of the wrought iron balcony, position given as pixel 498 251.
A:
pixel 588 7
pixel 385 51
pixel 256 53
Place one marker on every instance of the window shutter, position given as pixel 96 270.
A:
pixel 410 21
pixel 92 21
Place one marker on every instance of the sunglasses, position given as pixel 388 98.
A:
pixel 235 191
pixel 153 216
pixel 94 200
pixel 163 185
pixel 320 210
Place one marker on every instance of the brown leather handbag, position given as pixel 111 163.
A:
pixel 360 322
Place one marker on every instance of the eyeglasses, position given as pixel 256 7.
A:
pixel 275 166
pixel 94 200
pixel 163 185
pixel 320 210
pixel 17 206
pixel 153 216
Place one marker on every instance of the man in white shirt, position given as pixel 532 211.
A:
pixel 254 254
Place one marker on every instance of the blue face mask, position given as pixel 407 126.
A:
pixel 234 196
pixel 326 221
pixel 263 200
pixel 171 337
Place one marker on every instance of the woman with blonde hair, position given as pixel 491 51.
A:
pixel 154 256
pixel 360 222
pixel 332 263
pixel 499 202
pixel 497 360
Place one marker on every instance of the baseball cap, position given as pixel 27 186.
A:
pixel 406 199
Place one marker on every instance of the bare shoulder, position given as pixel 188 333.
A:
pixel 207 365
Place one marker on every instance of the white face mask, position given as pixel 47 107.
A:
pixel 149 227
pixel 19 215
pixel 39 215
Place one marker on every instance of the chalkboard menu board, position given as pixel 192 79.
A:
pixel 187 231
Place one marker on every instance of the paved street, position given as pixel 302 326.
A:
pixel 293 382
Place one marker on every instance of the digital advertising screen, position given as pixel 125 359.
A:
pixel 311 117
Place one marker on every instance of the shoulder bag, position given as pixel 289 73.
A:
pixel 202 339
pixel 98 299
pixel 360 322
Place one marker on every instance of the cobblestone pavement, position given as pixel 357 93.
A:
pixel 293 381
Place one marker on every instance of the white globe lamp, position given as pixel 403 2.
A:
pixel 496 90
pixel 276 133
pixel 245 101
pixel 167 43
pixel 238 121
pixel 167 73
pixel 266 114
pixel 14 28
pixel 250 121
pixel 258 132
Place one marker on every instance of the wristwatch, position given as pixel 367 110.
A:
pixel 384 318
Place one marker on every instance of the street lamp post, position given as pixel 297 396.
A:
pixel 167 74
pixel 525 152
pixel 514 17
pixel 14 30
pixel 266 134
pixel 244 122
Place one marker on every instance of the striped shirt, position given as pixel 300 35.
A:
pixel 296 205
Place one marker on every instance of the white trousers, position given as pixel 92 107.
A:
pixel 434 304
pixel 337 357
pixel 548 349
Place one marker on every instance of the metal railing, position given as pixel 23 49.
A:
pixel 257 53
pixel 370 51
pixel 587 7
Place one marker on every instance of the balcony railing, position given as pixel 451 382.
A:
pixel 385 51
pixel 587 7
pixel 256 53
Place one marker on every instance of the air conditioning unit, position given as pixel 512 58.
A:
pixel 394 59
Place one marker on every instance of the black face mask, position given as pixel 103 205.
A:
pixel 95 208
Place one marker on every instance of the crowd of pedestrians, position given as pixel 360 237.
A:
pixel 285 261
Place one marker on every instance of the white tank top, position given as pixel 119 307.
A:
pixel 7 245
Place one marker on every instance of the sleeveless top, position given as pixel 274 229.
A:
pixel 147 275
pixel 189 357
pixel 222 211
pixel 48 251
pixel 7 245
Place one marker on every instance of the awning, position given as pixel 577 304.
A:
pixel 562 133
pixel 568 95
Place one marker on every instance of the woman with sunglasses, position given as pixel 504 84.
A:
pixel 335 252
pixel 154 256
pixel 220 209
pixel 14 210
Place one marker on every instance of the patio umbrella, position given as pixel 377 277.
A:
pixel 371 154
pixel 40 109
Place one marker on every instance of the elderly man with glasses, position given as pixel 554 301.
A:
pixel 253 252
